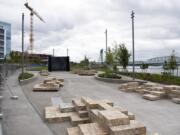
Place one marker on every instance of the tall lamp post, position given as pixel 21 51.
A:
pixel 106 42
pixel 67 52
pixel 22 43
pixel 132 17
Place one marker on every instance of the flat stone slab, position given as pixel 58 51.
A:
pixel 131 116
pixel 53 114
pixel 113 118
pixel 176 100
pixel 158 93
pixel 73 131
pixel 93 115
pixel 66 107
pixel 83 114
pixel 91 104
pixel 151 97
pixel 76 119
pixel 41 87
pixel 134 128
pixel 106 101
pixel 91 129
pixel 123 110
pixel 104 106
pixel 79 104
pixel 44 73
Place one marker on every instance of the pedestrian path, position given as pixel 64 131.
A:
pixel 20 118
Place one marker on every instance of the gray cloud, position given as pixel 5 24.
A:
pixel 80 24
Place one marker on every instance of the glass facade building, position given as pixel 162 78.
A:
pixel 5 39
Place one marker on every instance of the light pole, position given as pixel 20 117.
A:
pixel 53 52
pixel 106 42
pixel 67 52
pixel 132 17
pixel 22 43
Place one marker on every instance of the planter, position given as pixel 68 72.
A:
pixel 111 80
pixel 25 81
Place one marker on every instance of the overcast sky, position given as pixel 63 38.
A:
pixel 79 25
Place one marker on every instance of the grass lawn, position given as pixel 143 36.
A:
pixel 164 79
pixel 25 76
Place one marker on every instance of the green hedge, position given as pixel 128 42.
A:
pixel 109 75
pixel 164 79
pixel 25 76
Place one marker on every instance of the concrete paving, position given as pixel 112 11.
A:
pixel 159 116
pixel 20 118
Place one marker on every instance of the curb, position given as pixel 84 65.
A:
pixel 22 82
pixel 115 80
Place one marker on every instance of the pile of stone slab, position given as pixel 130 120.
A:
pixel 84 72
pixel 153 91
pixel 173 93
pixel 49 84
pixel 95 117
pixel 44 73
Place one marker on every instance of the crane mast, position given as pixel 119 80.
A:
pixel 31 35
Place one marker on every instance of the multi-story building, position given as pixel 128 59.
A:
pixel 5 39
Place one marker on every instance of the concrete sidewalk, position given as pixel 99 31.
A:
pixel 20 118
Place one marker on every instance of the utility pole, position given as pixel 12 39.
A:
pixel 22 43
pixel 132 17
pixel 53 52
pixel 67 52
pixel 106 41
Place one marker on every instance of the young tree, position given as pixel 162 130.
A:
pixel 85 62
pixel 122 55
pixel 109 57
pixel 172 64
pixel 144 66
pixel 165 66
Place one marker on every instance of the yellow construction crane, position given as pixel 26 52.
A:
pixel 32 12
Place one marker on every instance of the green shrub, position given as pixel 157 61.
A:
pixel 110 75
pixel 25 76
pixel 164 79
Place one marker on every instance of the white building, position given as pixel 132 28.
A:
pixel 5 39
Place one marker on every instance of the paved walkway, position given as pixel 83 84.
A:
pixel 20 118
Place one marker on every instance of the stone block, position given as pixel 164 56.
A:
pixel 123 110
pixel 150 84
pixel 93 115
pixel 79 105
pixel 104 106
pixel 91 129
pixel 76 120
pixel 134 128
pixel 109 118
pixel 133 84
pixel 151 97
pixel 145 91
pixel 176 100
pixel 83 114
pixel 42 87
pixel 131 116
pixel 73 131
pixel 91 104
pixel 106 101
pixel 53 114
pixel 66 107
pixel 158 93
pixel 44 73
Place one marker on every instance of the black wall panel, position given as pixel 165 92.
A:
pixel 58 64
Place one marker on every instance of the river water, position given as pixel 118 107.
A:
pixel 151 69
